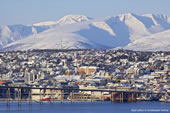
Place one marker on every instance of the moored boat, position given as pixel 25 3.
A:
pixel 144 98
pixel 46 98
pixel 165 98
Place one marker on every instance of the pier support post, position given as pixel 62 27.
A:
pixel 19 97
pixel 15 94
pixel 41 101
pixel 82 96
pixel 8 96
pixel 92 94
pixel 30 97
pixel 72 96
pixel 132 97
pixel 51 96
pixel 122 97
pixel 111 97
pixel 102 97
pixel 62 96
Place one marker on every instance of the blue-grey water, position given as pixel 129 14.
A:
pixel 86 107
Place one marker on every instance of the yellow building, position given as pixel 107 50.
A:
pixel 87 70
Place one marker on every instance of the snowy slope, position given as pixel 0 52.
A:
pixel 13 33
pixel 155 42
pixel 69 36
pixel 77 31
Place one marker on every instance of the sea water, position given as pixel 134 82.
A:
pixel 86 107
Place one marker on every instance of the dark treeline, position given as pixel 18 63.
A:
pixel 140 53
pixel 45 50
pixel 57 50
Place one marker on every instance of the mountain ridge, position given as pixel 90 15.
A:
pixel 82 32
pixel 68 19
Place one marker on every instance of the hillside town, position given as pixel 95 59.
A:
pixel 87 69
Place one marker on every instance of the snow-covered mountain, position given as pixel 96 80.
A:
pixel 12 33
pixel 68 19
pixel 129 31
pixel 158 41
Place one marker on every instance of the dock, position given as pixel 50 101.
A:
pixel 40 94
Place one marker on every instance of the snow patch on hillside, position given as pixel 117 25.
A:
pixel 70 19
pixel 46 23
pixel 156 42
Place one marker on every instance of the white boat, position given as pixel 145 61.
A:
pixel 144 98
pixel 165 98
pixel 140 99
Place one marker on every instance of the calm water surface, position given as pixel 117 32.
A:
pixel 87 107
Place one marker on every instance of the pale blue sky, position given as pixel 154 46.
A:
pixel 33 11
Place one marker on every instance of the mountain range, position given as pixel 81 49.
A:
pixel 148 32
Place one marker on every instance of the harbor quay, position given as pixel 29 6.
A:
pixel 40 95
